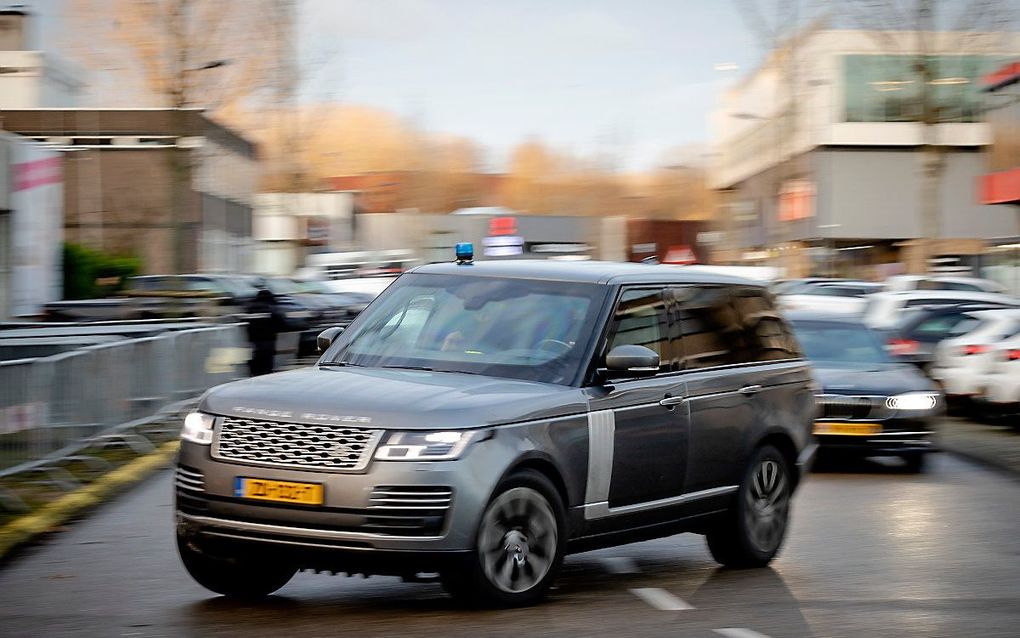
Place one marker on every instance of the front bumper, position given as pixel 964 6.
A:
pixel 896 437
pixel 349 520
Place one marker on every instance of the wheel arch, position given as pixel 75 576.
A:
pixel 545 466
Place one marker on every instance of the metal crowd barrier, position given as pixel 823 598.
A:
pixel 52 406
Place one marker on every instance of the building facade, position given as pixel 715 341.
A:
pixel 821 154
pixel 30 78
pixel 127 193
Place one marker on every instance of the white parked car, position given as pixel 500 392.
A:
pixel 1001 380
pixel 883 309
pixel 962 363
pixel 906 283
pixel 830 296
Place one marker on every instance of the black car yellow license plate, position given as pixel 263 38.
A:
pixel 847 429
pixel 279 491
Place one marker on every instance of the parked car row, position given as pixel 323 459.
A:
pixel 309 307
pixel 963 332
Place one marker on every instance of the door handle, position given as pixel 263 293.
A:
pixel 748 390
pixel 671 401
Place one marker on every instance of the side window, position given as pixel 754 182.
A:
pixel 768 336
pixel 706 327
pixel 721 325
pixel 640 319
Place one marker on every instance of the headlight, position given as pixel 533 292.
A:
pixel 426 446
pixel 198 428
pixel 913 401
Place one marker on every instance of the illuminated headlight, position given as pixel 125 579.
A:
pixel 198 428
pixel 426 446
pixel 913 401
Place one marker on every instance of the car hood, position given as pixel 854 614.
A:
pixel 404 399
pixel 879 379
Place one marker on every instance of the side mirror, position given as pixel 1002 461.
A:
pixel 327 337
pixel 632 360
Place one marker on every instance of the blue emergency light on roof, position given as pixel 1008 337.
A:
pixel 465 252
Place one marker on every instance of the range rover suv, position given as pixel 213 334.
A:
pixel 477 422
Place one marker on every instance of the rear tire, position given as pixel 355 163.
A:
pixel 234 577
pixel 752 532
pixel 519 545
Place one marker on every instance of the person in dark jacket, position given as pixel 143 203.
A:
pixel 266 322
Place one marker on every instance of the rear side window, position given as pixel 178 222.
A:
pixel 640 319
pixel 722 325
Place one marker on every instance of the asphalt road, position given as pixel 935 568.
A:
pixel 872 552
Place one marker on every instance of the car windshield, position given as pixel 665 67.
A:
pixel 512 328
pixel 839 344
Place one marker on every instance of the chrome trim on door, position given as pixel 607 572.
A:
pixel 601 441
pixel 602 509
pixel 749 389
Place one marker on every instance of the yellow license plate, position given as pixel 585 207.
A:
pixel 279 491
pixel 847 429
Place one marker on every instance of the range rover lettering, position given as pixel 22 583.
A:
pixel 479 421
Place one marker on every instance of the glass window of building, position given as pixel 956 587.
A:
pixel 887 88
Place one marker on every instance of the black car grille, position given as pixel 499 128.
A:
pixel 838 406
pixel 295 445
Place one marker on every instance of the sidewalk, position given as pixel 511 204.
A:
pixel 994 445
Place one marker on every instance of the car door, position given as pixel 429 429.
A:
pixel 725 334
pixel 638 426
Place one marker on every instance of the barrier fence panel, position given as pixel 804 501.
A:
pixel 52 404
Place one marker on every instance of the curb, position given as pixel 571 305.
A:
pixel 53 514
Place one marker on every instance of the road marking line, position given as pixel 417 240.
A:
pixel 660 599
pixel 739 632
pixel 620 565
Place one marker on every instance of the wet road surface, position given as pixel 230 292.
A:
pixel 872 552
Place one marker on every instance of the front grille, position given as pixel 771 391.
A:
pixel 297 445
pixel 189 479
pixel 837 406
pixel 408 510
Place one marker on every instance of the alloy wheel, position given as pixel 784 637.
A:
pixel 767 506
pixel 518 540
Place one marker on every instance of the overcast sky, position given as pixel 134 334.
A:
pixel 631 79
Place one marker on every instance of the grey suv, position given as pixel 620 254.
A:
pixel 479 421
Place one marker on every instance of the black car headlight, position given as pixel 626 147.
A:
pixel 442 445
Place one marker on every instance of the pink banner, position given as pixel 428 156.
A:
pixel 37 173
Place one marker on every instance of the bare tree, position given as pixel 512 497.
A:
pixel 180 54
pixel 917 29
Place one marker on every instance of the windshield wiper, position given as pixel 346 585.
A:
pixel 426 369
pixel 341 364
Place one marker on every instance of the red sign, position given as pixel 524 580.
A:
pixel 503 226
pixel 1000 188
pixel 681 254
pixel 37 173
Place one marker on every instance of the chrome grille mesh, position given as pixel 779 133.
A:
pixel 189 479
pixel 411 497
pixel 839 406
pixel 299 445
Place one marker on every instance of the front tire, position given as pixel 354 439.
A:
pixel 519 545
pixel 234 577
pixel 752 532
